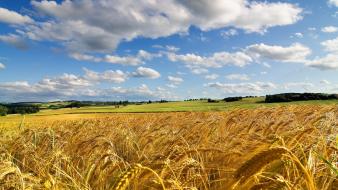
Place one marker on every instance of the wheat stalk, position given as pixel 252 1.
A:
pixel 125 179
pixel 258 162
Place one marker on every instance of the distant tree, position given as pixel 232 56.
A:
pixel 233 99
pixel 54 107
pixel 289 97
pixel 74 105
pixel 3 110
pixel 212 101
pixel 22 108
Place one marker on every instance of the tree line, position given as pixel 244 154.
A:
pixel 18 109
pixel 289 97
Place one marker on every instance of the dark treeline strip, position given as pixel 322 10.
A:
pixel 17 108
pixel 289 97
pixel 233 99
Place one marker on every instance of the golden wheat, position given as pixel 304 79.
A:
pixel 200 150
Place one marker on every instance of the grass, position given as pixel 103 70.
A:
pixel 293 146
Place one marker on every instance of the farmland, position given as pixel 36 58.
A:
pixel 180 106
pixel 237 145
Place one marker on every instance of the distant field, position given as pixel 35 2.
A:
pixel 182 106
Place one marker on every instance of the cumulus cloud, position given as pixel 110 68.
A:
pixel 172 48
pixel 57 88
pixel 199 64
pixel 175 80
pixel 2 66
pixel 333 2
pixel 68 86
pixel 84 57
pixel 299 35
pixel 197 70
pixel 144 72
pixel 229 33
pixel 293 53
pixel 326 82
pixel 211 77
pixel 65 85
pixel 243 88
pixel 298 85
pixel 330 29
pixel 117 76
pixel 131 60
pixel 331 45
pixel 261 15
pixel 12 17
pixel 88 26
pixel 143 92
pixel 328 62
pixel 14 40
pixel 259 53
pixel 241 77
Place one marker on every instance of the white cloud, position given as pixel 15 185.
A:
pixel 299 35
pixel 211 77
pixel 229 33
pixel 293 53
pixel 171 85
pixel 198 70
pixel 241 77
pixel 144 72
pixel 130 60
pixel 243 88
pixel 326 82
pixel 2 66
pixel 88 26
pixel 169 48
pixel 69 86
pixel 175 80
pixel 333 2
pixel 14 40
pixel 298 85
pixel 261 15
pixel 172 48
pixel 12 17
pixel 330 29
pixel 58 88
pixel 64 85
pixel 143 92
pixel 84 57
pixel 328 62
pixel 117 76
pixel 199 64
pixel 331 45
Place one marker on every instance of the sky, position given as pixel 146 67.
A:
pixel 108 50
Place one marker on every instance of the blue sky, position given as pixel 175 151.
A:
pixel 169 49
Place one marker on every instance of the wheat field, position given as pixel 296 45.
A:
pixel 286 147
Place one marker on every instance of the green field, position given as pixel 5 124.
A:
pixel 179 106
